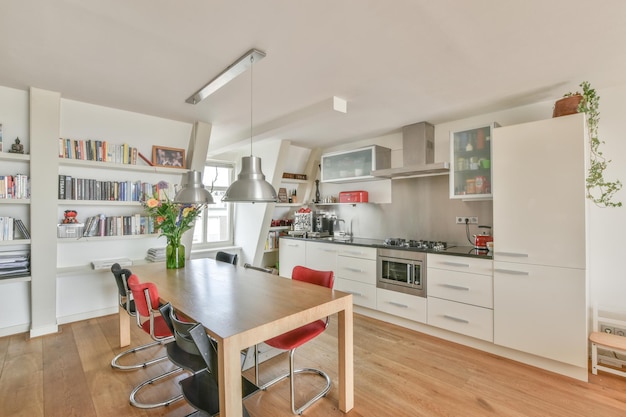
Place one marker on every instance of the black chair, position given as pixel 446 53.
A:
pixel 125 300
pixel 201 389
pixel 182 351
pixel 230 258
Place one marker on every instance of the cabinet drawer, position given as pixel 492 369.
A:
pixel 362 294
pixel 321 256
pixel 458 286
pixel 460 263
pixel 357 252
pixel 461 318
pixel 408 306
pixel 356 269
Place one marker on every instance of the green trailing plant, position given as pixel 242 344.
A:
pixel 599 190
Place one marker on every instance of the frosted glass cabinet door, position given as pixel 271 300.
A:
pixel 539 192
pixel 354 165
pixel 470 163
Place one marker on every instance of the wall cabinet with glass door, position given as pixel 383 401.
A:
pixel 470 163
pixel 355 165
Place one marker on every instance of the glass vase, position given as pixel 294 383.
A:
pixel 174 255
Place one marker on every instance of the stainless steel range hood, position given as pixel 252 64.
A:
pixel 418 154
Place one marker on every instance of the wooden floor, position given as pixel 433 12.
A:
pixel 398 373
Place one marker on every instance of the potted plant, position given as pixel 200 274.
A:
pixel 599 190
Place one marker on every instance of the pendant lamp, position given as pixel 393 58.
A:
pixel 251 185
pixel 193 191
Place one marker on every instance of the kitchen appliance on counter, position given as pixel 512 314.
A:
pixel 322 224
pixel 416 244
pixel 402 271
pixel 481 240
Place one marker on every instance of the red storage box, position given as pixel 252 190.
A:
pixel 353 197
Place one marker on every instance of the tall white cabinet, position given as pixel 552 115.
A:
pixel 539 220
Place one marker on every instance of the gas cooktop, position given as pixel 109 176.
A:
pixel 417 244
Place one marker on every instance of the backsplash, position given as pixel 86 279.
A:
pixel 420 209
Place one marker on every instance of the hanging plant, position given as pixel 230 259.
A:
pixel 599 190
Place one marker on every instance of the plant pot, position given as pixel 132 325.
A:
pixel 567 105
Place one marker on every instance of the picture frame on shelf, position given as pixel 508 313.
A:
pixel 163 156
pixel 282 195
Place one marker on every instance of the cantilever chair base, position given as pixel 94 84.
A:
pixel 116 365
pixel 134 402
pixel 291 374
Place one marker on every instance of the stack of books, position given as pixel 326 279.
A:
pixel 14 264
pixel 156 255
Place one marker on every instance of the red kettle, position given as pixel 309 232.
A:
pixel 480 241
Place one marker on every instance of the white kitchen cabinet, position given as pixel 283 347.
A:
pixel 403 305
pixel 541 310
pixel 292 253
pixel 354 165
pixel 470 170
pixel 363 295
pixel 539 192
pixel 460 295
pixel 321 256
pixel 539 215
pixel 356 274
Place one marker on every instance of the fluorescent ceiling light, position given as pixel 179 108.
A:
pixel 233 70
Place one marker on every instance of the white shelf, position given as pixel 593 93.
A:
pixel 293 181
pixel 98 203
pixel 5 156
pixel 103 238
pixel 26 278
pixel 274 228
pixel 14 200
pixel 126 167
pixel 291 204
pixel 14 242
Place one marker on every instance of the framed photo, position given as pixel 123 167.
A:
pixel 168 157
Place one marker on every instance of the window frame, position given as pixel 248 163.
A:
pixel 204 244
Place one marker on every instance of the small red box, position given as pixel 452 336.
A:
pixel 353 197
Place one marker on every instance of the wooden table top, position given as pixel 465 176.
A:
pixel 234 301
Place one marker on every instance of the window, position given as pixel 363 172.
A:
pixel 214 227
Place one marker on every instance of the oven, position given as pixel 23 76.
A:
pixel 401 270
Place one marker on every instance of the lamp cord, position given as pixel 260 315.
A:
pixel 251 99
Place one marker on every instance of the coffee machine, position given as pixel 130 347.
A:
pixel 322 224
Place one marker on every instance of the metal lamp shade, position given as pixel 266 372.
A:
pixel 250 185
pixel 193 192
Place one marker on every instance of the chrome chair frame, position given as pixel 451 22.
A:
pixel 125 300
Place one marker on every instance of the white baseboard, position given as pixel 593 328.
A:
pixel 87 315
pixel 8 331
pixel 44 330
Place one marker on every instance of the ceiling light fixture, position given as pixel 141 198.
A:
pixel 230 73
pixel 250 185
pixel 193 191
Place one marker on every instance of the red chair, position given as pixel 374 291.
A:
pixel 297 337
pixel 147 305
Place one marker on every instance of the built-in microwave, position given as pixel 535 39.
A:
pixel 401 270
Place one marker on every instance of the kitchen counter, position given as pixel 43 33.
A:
pixel 467 251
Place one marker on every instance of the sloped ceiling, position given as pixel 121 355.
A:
pixel 395 62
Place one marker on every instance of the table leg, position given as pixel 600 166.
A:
pixel 346 358
pixel 229 379
pixel 124 327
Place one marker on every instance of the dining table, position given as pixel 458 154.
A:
pixel 241 307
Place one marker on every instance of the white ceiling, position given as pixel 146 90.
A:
pixel 396 62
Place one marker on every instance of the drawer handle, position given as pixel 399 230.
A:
pixel 455 264
pixel 513 254
pixel 329 250
pixel 459 320
pixel 393 303
pixel 353 269
pixel 358 294
pixel 511 272
pixel 354 253
pixel 455 287
pixel 293 245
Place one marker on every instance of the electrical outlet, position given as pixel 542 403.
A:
pixel 466 219
pixel 619 332
pixel 607 329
